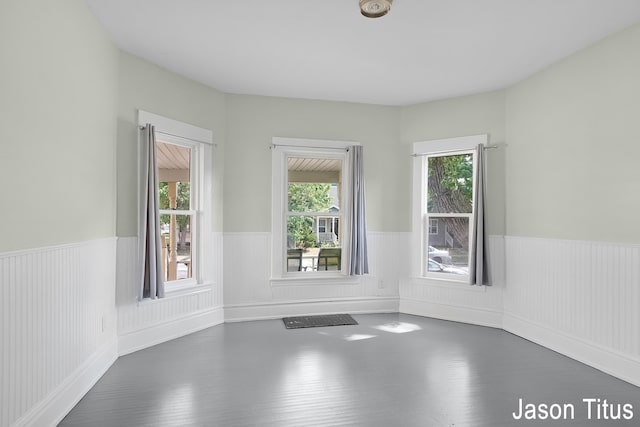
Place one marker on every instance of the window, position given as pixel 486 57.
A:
pixel 184 159
pixel 445 175
pixel 433 226
pixel 314 183
pixel 178 210
pixel 308 207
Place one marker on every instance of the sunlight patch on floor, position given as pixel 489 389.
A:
pixel 358 337
pixel 398 327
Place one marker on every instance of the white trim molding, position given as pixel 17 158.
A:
pixel 58 332
pixel 52 410
pixel 452 312
pixel 612 362
pixel 279 309
pixel 579 298
pixel 456 301
pixel 165 331
pixel 149 322
pixel 282 149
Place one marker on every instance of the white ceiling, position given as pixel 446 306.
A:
pixel 421 51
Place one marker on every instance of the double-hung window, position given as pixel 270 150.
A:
pixel 309 210
pixel 445 174
pixel 184 170
pixel 178 190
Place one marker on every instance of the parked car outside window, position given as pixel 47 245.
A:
pixel 439 255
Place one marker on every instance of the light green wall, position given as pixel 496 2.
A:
pixel 145 86
pixel 254 120
pixel 69 102
pixel 58 88
pixel 574 142
pixel 468 115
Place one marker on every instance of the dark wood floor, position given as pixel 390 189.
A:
pixel 390 370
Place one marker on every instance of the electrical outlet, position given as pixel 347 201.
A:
pixel 380 284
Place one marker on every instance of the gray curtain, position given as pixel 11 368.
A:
pixel 152 285
pixel 358 262
pixel 478 259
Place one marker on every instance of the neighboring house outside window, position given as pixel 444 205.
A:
pixel 444 179
pixel 310 184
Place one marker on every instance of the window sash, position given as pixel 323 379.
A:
pixel 427 215
pixel 193 213
pixel 283 149
pixel 422 150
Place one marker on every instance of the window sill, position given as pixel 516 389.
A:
pixel 317 279
pixel 183 291
pixel 448 283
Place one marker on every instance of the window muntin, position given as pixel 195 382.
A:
pixel 448 202
pixel 177 189
pixel 314 189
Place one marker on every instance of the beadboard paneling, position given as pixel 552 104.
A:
pixel 481 305
pixel 184 307
pixel 249 288
pixel 583 292
pixel 247 267
pixel 57 313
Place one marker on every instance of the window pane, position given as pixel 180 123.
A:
pixel 311 197
pixel 309 248
pixel 174 195
pixel 314 188
pixel 174 188
pixel 313 184
pixel 450 184
pixel 448 250
pixel 176 251
pixel 174 176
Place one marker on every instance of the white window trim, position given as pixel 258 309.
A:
pixel 421 150
pixel 282 148
pixel 200 140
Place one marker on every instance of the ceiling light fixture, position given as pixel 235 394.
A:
pixel 375 8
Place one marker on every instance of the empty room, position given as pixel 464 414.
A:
pixel 292 213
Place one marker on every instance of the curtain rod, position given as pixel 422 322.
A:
pixel 272 146
pixel 488 147
pixel 180 136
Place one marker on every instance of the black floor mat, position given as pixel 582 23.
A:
pixel 316 321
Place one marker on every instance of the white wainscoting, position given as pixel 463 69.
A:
pixel 579 298
pixel 251 294
pixel 57 328
pixel 479 305
pixel 143 324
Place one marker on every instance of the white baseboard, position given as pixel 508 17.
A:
pixel 456 313
pixel 52 409
pixel 622 366
pixel 165 331
pixel 275 310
